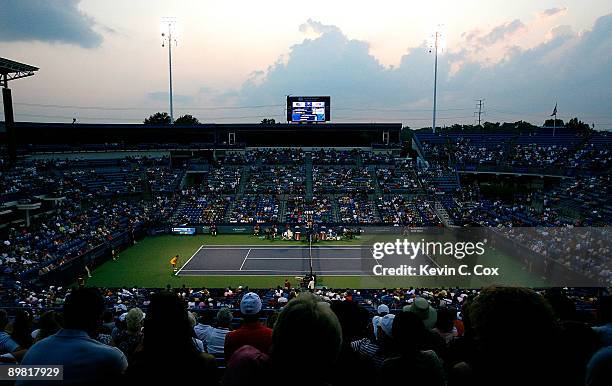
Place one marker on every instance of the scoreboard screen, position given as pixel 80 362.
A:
pixel 308 109
pixel 184 231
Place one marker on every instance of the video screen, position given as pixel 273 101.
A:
pixel 308 109
pixel 184 231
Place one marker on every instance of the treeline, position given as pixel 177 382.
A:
pixel 519 126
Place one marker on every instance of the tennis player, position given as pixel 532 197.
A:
pixel 174 262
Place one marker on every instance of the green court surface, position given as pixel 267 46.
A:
pixel 146 264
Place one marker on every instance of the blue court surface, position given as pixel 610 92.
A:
pixel 281 261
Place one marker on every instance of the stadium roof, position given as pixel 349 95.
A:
pixel 11 70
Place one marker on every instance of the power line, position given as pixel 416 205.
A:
pixel 247 107
pixel 212 108
pixel 77 107
pixel 136 119
pixel 348 117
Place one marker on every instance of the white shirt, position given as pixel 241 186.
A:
pixel 215 340
pixel 201 330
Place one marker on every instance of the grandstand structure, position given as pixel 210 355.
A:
pixel 127 181
pixel 11 70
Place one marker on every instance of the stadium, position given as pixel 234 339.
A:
pixel 315 251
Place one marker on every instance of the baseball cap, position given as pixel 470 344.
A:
pixel 383 309
pixel 250 304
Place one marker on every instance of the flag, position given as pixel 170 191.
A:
pixel 554 111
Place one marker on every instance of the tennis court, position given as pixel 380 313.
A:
pixel 282 261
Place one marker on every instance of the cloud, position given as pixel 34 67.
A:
pixel 479 38
pixel 501 32
pixel 573 69
pixel 552 12
pixel 53 21
pixel 315 27
pixel 561 31
pixel 331 63
pixel 206 90
pixel 471 35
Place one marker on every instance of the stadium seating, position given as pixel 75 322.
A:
pixel 94 203
pixel 252 209
pixel 291 186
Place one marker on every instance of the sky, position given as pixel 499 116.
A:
pixel 235 60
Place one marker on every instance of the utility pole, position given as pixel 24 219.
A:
pixel 436 44
pixel 168 27
pixel 480 112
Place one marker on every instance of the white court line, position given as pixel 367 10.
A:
pixel 283 247
pixel 264 270
pixel 278 246
pixel 302 258
pixel 245 259
pixel 187 262
pixel 285 273
pixel 433 261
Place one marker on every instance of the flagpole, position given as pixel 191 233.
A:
pixel 554 115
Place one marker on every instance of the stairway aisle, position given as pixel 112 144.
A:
pixel 309 182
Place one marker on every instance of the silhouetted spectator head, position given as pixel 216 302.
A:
pixel 513 328
pixel 167 327
pixel 353 320
pixel 22 328
pixel 446 318
pixel 206 317
pixel 169 354
pixel 83 310
pixel 308 325
pixel 224 317
pixel 409 332
pixel 48 325
pixel 108 317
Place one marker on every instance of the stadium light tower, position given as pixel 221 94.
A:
pixel 169 32
pixel 9 71
pixel 436 43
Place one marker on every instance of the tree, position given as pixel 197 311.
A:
pixel 553 122
pixel 267 121
pixel 574 123
pixel 158 118
pixel 186 119
pixel 488 126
